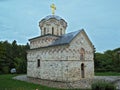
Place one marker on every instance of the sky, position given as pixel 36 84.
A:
pixel 19 19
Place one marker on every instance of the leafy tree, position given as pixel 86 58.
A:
pixel 13 55
pixel 2 52
pixel 107 61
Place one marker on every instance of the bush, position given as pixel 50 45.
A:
pixel 0 72
pixel 5 69
pixel 103 86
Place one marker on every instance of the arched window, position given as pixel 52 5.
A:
pixel 82 54
pixel 52 30
pixel 44 30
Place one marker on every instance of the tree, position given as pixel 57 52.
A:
pixel 2 52
pixel 13 56
pixel 107 61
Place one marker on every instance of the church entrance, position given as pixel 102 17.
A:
pixel 82 71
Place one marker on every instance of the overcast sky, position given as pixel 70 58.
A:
pixel 100 18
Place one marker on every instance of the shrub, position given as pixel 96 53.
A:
pixel 103 86
pixel 5 69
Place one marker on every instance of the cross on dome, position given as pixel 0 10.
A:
pixel 53 8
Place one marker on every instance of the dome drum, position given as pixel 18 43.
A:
pixel 52 24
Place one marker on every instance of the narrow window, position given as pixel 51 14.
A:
pixel 57 32
pixel 38 63
pixel 82 71
pixel 44 30
pixel 61 31
pixel 41 32
pixel 52 30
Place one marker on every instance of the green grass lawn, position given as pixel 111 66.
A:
pixel 7 83
pixel 107 74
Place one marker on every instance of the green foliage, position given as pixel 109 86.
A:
pixel 107 61
pixel 13 56
pixel 20 65
pixel 103 86
pixel 5 69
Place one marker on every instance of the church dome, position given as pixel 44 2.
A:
pixel 52 16
pixel 53 24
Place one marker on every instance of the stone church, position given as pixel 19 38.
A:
pixel 58 56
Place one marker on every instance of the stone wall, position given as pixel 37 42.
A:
pixel 42 41
pixel 65 70
pixel 60 70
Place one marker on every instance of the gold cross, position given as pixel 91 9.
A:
pixel 53 7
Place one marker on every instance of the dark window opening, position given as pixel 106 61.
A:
pixel 38 63
pixel 82 71
pixel 52 30
pixel 57 32
pixel 61 31
pixel 44 30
